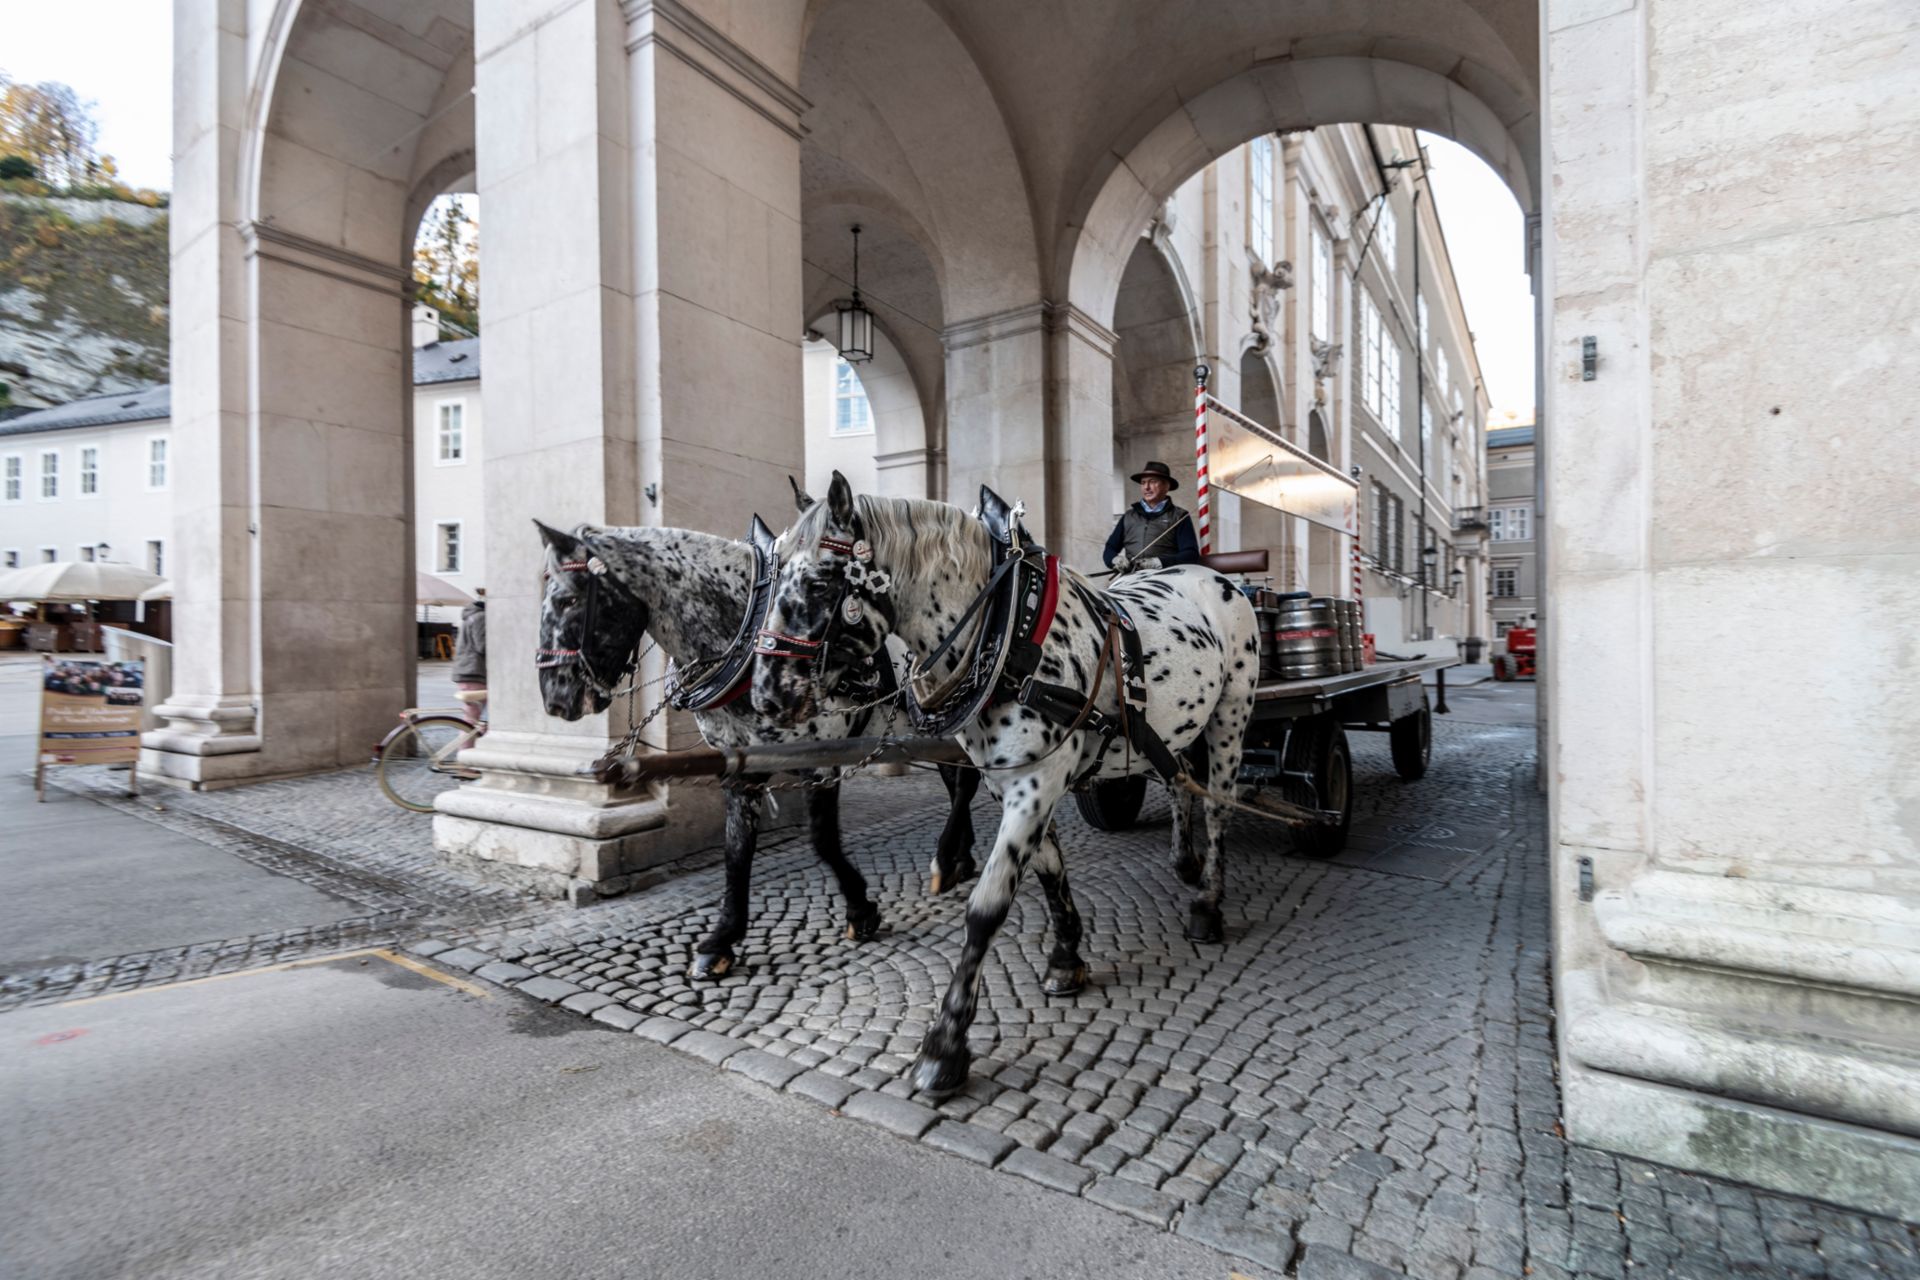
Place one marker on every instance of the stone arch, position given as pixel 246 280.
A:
pixel 906 465
pixel 1280 96
pixel 1260 388
pixel 1156 345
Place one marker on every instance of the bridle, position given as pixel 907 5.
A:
pixel 548 659
pixel 861 587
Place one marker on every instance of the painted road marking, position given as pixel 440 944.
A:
pixel 405 962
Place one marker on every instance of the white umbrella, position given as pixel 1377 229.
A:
pixel 75 582
pixel 428 589
pixel 158 591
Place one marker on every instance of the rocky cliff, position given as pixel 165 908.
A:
pixel 83 298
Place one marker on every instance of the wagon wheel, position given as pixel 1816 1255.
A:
pixel 1112 805
pixel 1412 740
pixel 1318 748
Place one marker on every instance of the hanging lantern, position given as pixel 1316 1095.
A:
pixel 855 337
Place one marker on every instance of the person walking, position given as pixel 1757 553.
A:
pixel 1152 533
pixel 470 656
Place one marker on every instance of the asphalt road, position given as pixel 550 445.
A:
pixel 355 1118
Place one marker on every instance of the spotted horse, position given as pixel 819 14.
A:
pixel 1012 655
pixel 702 598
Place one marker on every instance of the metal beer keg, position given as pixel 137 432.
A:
pixel 1307 638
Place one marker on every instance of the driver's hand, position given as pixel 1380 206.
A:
pixel 1149 562
pixel 1122 563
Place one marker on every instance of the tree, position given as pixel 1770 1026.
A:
pixel 17 167
pixel 446 261
pixel 52 128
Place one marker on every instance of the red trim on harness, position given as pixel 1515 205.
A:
pixel 733 694
pixel 1049 601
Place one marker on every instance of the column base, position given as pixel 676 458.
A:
pixel 534 823
pixel 202 743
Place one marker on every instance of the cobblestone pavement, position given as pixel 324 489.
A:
pixel 1360 1082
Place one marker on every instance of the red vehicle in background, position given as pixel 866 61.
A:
pixel 1518 662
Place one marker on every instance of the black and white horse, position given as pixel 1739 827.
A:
pixel 854 569
pixel 606 587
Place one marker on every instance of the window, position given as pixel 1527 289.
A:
pixel 1422 307
pixel 89 471
pixel 1390 383
pixel 157 462
pixel 1506 583
pixel 16 473
pixel 1322 285
pixel 1260 186
pixel 1443 373
pixel 1511 524
pixel 1369 353
pixel 49 554
pixel 852 415
pixel 1396 534
pixel 1387 235
pixel 86 555
pixel 1501 626
pixel 1426 435
pixel 446 556
pixel 1377 526
pixel 451 431
pixel 13 557
pixel 156 556
pixel 49 475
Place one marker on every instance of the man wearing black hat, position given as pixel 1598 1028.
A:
pixel 1152 533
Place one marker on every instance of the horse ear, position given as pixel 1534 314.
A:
pixel 801 498
pixel 840 499
pixel 564 543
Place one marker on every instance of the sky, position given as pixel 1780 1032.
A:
pixel 128 76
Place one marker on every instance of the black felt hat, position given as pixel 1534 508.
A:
pixel 1156 469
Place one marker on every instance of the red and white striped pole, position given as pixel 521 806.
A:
pixel 1202 515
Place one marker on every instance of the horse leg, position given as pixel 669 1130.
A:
pixel 953 856
pixel 823 823
pixel 1028 806
pixel 1186 864
pixel 1066 971
pixel 1222 771
pixel 713 957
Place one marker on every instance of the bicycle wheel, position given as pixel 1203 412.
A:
pixel 418 763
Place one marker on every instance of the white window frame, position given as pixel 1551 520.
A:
pixel 1260 197
pixel 1390 380
pixel 1321 324
pixel 1425 340
pixel 89 475
pixel 157 556
pixel 86 550
pixel 440 547
pixel 1370 353
pixel 1386 235
pixel 45 475
pixel 49 555
pixel 165 463
pixel 11 556
pixel 440 456
pixel 1512 572
pixel 15 471
pixel 844 374
pixel 1511 522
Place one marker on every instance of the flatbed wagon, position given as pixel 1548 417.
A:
pixel 1297 744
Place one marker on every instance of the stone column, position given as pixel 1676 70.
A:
pixel 210 729
pixel 1735 855
pixel 640 173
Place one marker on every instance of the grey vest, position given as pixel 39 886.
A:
pixel 1144 533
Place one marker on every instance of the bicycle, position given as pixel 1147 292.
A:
pixel 416 761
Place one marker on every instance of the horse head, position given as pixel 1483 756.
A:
pixel 590 628
pixel 832 609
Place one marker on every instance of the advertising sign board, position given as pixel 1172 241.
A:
pixel 89 714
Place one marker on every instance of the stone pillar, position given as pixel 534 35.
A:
pixel 209 729
pixel 640 173
pixel 1735 855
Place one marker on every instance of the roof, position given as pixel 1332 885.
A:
pixel 144 405
pixel 457 361
pixel 436 362
pixel 1508 437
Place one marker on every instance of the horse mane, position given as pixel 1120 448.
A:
pixel 915 537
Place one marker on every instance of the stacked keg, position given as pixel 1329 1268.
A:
pixel 1348 613
pixel 1307 641
pixel 1266 612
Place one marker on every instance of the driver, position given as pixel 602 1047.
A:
pixel 1152 533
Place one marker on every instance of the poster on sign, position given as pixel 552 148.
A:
pixel 89 714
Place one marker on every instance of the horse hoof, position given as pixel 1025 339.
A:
pixel 941 881
pixel 707 967
pixel 1065 982
pixel 1187 867
pixel 863 925
pixel 1203 924
pixel 936 884
pixel 939 1077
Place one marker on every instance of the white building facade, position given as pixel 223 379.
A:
pixel 668 187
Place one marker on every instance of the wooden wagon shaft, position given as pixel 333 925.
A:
pixel 732 762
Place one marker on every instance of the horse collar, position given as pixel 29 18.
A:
pixel 735 671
